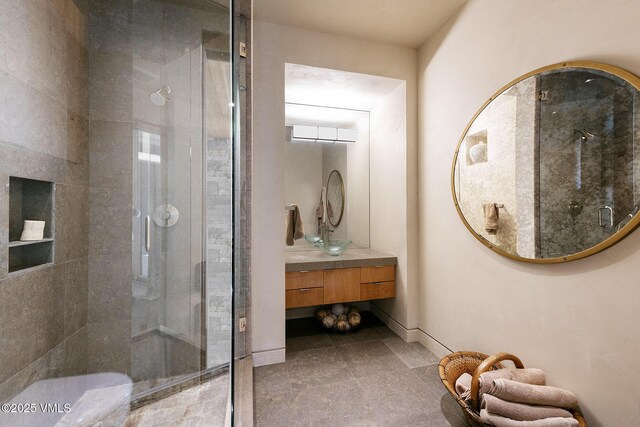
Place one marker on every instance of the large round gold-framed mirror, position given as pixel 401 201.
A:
pixel 548 169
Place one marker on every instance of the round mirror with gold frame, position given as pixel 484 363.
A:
pixel 548 169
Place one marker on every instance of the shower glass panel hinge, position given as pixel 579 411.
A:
pixel 243 50
pixel 544 95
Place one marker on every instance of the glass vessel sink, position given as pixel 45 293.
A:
pixel 314 239
pixel 335 247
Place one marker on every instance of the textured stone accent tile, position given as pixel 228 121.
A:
pixel 77 77
pixel 77 138
pixel 49 365
pixel 76 17
pixel 75 221
pixel 201 406
pixel 34 53
pixel 109 290
pixel 162 417
pixel 16 161
pixel 108 346
pixel 342 404
pixel 314 367
pixel 111 148
pixel 278 410
pixel 311 342
pixel 60 212
pixel 369 358
pixel 400 396
pixel 31 319
pixel 111 87
pixel 75 353
pixel 271 380
pixel 110 23
pixel 77 173
pixel 110 222
pixel 76 286
pixel 32 118
pixel 413 354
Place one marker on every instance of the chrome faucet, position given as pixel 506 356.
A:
pixel 325 231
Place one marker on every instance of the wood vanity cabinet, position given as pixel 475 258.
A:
pixel 378 282
pixel 317 287
pixel 341 285
pixel 304 288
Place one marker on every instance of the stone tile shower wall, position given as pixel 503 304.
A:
pixel 507 126
pixel 111 112
pixel 219 250
pixel 44 135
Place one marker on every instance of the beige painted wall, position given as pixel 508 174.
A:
pixel 390 226
pixel 576 321
pixel 274 45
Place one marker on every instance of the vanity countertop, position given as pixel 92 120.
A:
pixel 317 260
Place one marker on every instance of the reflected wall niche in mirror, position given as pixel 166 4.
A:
pixel 548 170
pixel 309 166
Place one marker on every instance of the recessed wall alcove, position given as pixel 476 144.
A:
pixel 30 199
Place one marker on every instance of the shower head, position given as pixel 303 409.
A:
pixel 160 96
pixel 585 135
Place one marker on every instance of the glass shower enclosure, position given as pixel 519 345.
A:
pixel 585 138
pixel 181 193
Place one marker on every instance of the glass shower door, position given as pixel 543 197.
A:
pixel 173 93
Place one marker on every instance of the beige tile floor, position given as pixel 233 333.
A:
pixel 368 378
pixel 204 405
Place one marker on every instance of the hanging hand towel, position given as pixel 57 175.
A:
pixel 295 229
pixel 491 217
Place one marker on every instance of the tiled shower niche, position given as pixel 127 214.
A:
pixel 30 200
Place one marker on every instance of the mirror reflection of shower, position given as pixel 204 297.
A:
pixel 161 96
pixel 584 137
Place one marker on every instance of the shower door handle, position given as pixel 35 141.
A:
pixel 147 233
pixel 600 221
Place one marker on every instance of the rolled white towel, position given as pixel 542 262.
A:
pixel 498 421
pixel 521 411
pixel 515 391
pixel 527 375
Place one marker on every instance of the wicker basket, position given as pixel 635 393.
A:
pixel 474 364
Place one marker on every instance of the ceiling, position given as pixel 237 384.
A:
pixel 402 22
pixel 332 88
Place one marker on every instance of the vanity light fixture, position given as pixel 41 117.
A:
pixel 321 134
